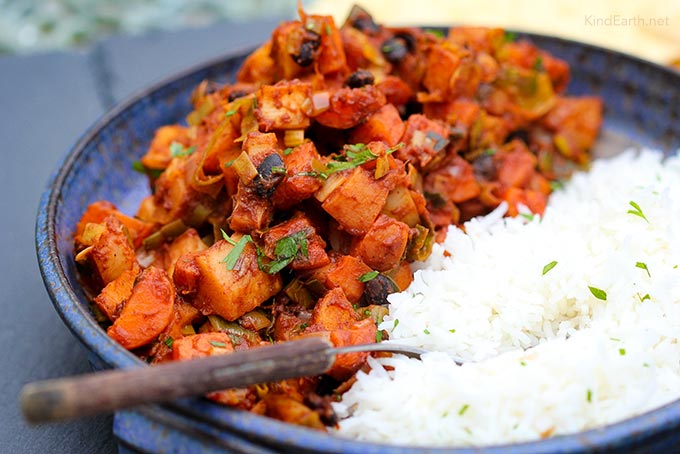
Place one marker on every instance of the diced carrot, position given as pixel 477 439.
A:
pixel 384 125
pixel 360 189
pixel 100 210
pixel 362 332
pixel 201 345
pixel 112 253
pixel 350 106
pixel 383 246
pixel 280 106
pixel 158 156
pixel 332 312
pixel 110 300
pixel 147 312
pixel 299 224
pixel 423 140
pixel 298 184
pixel 189 241
pixel 516 165
pixel 344 273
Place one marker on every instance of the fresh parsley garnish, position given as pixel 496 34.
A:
pixel 643 266
pixel 538 64
pixel 355 155
pixel 137 166
pixel 528 216
pixel 288 151
pixel 168 341
pixel 622 351
pixel 230 113
pixel 233 255
pixel 637 211
pixel 378 336
pixel 178 150
pixel 463 409
pixel 396 323
pixel 368 276
pixel 510 37
pixel 598 293
pixel 643 298
pixel 549 266
pixel 285 251
pixel 426 331
pixel 589 396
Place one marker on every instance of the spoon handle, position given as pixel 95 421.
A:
pixel 105 392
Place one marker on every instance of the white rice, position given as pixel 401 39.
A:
pixel 550 357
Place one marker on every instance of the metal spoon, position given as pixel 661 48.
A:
pixel 105 392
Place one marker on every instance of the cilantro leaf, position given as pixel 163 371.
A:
pixel 368 276
pixel 233 255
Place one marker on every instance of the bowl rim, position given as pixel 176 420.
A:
pixel 80 322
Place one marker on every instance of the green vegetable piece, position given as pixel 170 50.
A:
pixel 230 113
pixel 463 409
pixel 169 341
pixel 378 336
pixel 598 293
pixel 218 344
pixel 177 150
pixel 286 249
pixel 549 266
pixel 589 396
pixel 622 351
pixel 368 276
pixel 288 151
pixel 426 331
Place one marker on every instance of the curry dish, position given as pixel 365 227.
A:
pixel 292 202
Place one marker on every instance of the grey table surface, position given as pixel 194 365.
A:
pixel 47 102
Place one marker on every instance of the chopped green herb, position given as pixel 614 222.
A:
pixel 529 217
pixel 233 255
pixel 378 336
pixel 303 326
pixel 622 351
pixel 367 312
pixel 556 184
pixel 643 298
pixel 549 266
pixel 288 151
pixel 598 293
pixel 490 152
pixel 178 150
pixel 386 49
pixel 137 166
pixel 218 344
pixel 368 276
pixel 229 163
pixel 645 364
pixel 278 169
pixel 168 341
pixel 285 251
pixel 426 331
pixel 435 198
pixel 452 330
pixel 522 363
pixel 355 306
pixel 396 323
pixel 643 266
pixel 675 267
pixel 230 113
pixel 615 339
pixel 436 32
pixel 463 409
pixel 329 31
pixel 254 102
pixel 589 396
pixel 269 338
pixel 538 64
pixel 338 398
pixel 510 37
pixel 637 211
pixel 355 155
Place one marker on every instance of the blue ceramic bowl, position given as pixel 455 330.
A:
pixel 642 107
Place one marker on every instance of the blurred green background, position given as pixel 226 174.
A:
pixel 33 25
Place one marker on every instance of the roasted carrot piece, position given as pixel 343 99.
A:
pixel 98 211
pixel 287 409
pixel 189 241
pixel 516 165
pixel 350 106
pixel 359 189
pixel 201 345
pixel 259 67
pixel 298 225
pixel 112 297
pixel 423 140
pixel 158 156
pixel 455 181
pixel 383 246
pixel 280 106
pixel 344 273
pixel 147 312
pixel 384 125
pixel 362 332
pixel 397 92
pixel 298 184
pixel 332 312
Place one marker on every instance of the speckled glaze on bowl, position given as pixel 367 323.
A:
pixel 642 108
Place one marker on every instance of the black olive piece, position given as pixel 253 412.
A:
pixel 377 289
pixel 235 94
pixel 394 49
pixel 408 38
pixel 520 134
pixel 484 167
pixel 270 172
pixel 359 79
pixel 323 407
pixel 362 21
pixel 310 44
